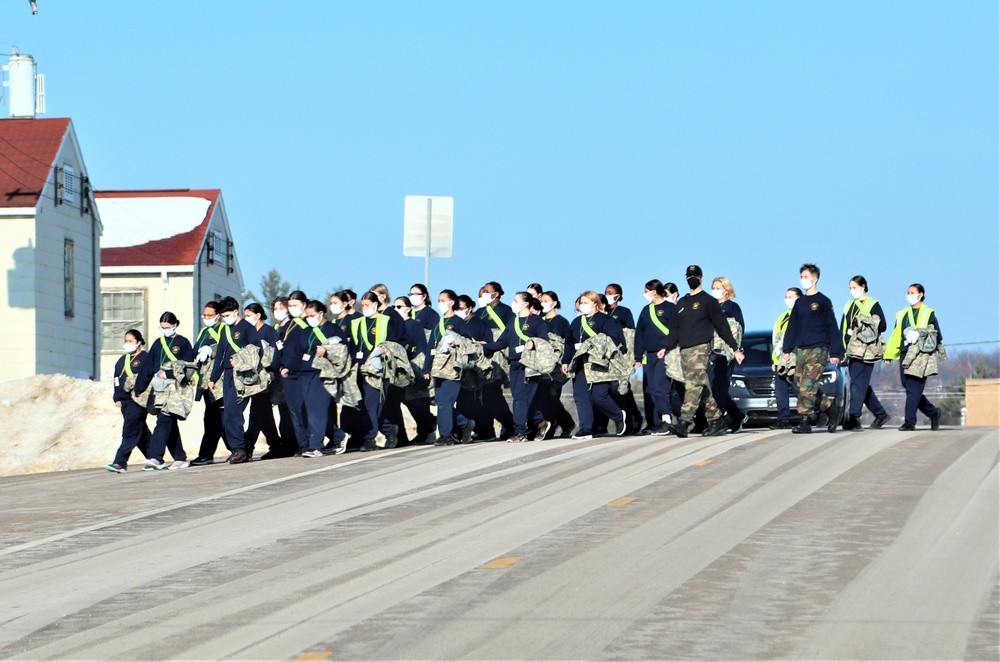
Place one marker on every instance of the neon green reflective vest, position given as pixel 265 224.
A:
pixel 892 350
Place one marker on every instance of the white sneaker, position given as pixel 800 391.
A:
pixel 152 464
pixel 179 464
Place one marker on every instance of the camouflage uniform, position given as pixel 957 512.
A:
pixel 809 367
pixel 694 363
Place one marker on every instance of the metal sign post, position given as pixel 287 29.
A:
pixel 428 228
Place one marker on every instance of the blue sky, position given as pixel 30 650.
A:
pixel 583 142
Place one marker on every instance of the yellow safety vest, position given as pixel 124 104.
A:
pixel 861 308
pixel 779 331
pixel 381 331
pixel 893 349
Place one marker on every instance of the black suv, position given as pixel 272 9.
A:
pixel 752 385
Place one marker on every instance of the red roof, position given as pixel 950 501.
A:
pixel 180 249
pixel 28 150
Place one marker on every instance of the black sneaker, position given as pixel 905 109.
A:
pixel 781 424
pixel 833 418
pixel 239 456
pixel 680 428
pixel 738 425
pixel 444 441
pixel 879 421
pixel 716 428
pixel 541 430
pixel 202 461
pixel 391 439
pixel 823 419
pixel 660 430
pixel 802 428
pixel 907 427
pixel 467 432
pixel 369 446
pixel 936 420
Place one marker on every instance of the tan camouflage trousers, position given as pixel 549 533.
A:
pixel 694 362
pixel 809 367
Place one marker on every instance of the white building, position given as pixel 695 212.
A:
pixel 50 252
pixel 162 250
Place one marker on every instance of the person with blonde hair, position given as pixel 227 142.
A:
pixel 720 369
pixel 592 321
pixel 381 292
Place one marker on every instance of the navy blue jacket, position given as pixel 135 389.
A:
pixel 599 323
pixel 503 311
pixel 732 309
pixel 268 334
pixel 813 324
pixel 532 326
pixel 242 333
pixel 179 346
pixel 623 316
pixel 648 337
pixel 427 317
pixel 302 342
pixel 294 342
pixel 367 328
pixel 559 325
pixel 142 368
pixel 477 330
pixel 209 335
pixel 416 342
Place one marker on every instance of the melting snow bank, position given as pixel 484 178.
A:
pixel 58 423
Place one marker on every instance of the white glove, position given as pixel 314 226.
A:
pixel 449 339
pixel 375 362
pixel 335 340
pixel 204 354
pixel 911 335
pixel 376 352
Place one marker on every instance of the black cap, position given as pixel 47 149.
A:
pixel 693 271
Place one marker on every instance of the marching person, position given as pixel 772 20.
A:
pixel 651 335
pixel 293 339
pixel 859 369
pixel 917 315
pixel 420 408
pixel 236 334
pixel 550 388
pixel 587 396
pixel 171 347
pixel 496 315
pixel 523 389
pixel 783 385
pixel 315 398
pixel 720 370
pixel 452 417
pixel 697 317
pixel 382 292
pixel 815 338
pixel 421 309
pixel 613 294
pixel 205 349
pixel 367 333
pixel 286 429
pixel 350 420
pixel 132 376
pixel 261 410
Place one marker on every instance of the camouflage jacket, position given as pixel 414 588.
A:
pixel 462 358
pixel 392 366
pixel 420 388
pixel 719 346
pixel 204 372
pixel 249 373
pixel 541 359
pixel 867 344
pixel 335 371
pixel 178 398
pixel 672 364
pixel 602 360
pixel 920 363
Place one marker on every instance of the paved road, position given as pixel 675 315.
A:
pixel 756 545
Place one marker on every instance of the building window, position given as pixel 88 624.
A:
pixel 69 183
pixel 68 294
pixel 121 310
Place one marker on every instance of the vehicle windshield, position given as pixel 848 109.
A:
pixel 757 349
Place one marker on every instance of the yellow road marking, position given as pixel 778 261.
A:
pixel 702 463
pixel 315 656
pixel 621 502
pixel 502 562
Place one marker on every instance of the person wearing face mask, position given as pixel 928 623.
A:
pixel 382 293
pixel 550 387
pixel 421 309
pixel 720 369
pixel 453 416
pixel 171 347
pixel 783 386
pixel 651 335
pixel 496 315
pixel 916 315
pixel 815 338
pixel 613 295
pixel 861 370
pixel 367 333
pixel 286 430
pixel 591 322
pixel 697 317
pixel 535 290
pixel 353 422
pixel 293 340
pixel 516 337
pixel 311 416
pixel 133 372
pixel 261 409
pixel 420 404
pixel 236 334
pixel 350 301
pixel 205 347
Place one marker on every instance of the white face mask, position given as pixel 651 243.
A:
pixel 403 312
pixel 462 314
pixel 336 310
pixel 806 283
pixel 517 307
pixel 253 320
pixel 673 298
pixel 790 302
pixel 586 308
pixel 229 321
pixel 649 296
pixel 130 347
pixel 857 292
pixel 718 294
pixel 613 298
pixel 296 311
pixel 169 333
pixel 416 299
pixel 313 321
pixel 444 306
pixel 370 312
pixel 280 315
pixel 548 306
pixel 912 299
pixel 211 321
pixel 486 300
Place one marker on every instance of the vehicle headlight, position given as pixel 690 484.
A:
pixel 737 382
pixel 829 377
